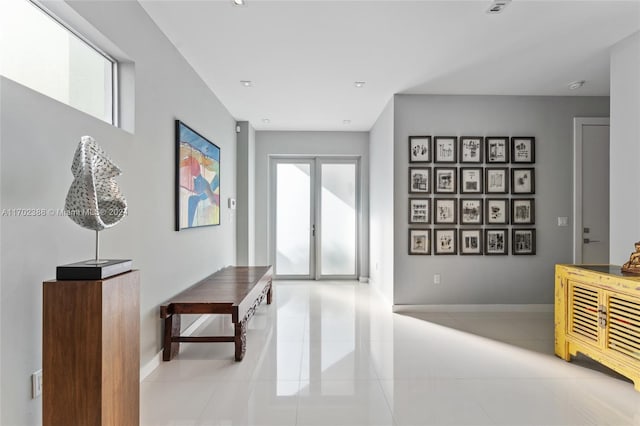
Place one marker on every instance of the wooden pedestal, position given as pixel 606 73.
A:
pixel 91 351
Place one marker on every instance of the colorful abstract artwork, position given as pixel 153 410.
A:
pixel 197 179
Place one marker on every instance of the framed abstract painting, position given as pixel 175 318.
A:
pixel 197 179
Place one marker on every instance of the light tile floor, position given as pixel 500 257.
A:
pixel 331 354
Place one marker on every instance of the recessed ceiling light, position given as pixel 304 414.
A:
pixel 359 84
pixel 346 122
pixel 266 121
pixel 238 2
pixel 497 6
pixel 246 83
pixel 576 84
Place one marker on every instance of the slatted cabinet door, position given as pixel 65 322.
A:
pixel 584 312
pixel 623 334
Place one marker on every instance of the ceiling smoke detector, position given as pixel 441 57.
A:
pixel 497 6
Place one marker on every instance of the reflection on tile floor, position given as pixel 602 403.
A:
pixel 330 353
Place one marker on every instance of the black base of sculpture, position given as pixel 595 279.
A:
pixel 92 270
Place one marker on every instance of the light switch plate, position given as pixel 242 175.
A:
pixel 563 221
pixel 232 203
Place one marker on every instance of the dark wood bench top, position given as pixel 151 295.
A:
pixel 234 290
pixel 221 292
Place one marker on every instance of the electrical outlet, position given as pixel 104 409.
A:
pixel 36 384
pixel 436 278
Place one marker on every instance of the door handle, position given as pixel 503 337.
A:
pixel 587 241
pixel 313 230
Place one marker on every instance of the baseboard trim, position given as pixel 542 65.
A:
pixel 474 308
pixel 155 361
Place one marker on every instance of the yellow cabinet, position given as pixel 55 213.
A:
pixel 597 313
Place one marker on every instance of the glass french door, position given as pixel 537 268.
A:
pixel 315 215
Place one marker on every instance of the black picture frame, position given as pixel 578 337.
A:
pixel 523 149
pixel 445 180
pixel 523 241
pixel 496 211
pixel 197 177
pixel 471 211
pixel 419 149
pixel 419 211
pixel 523 211
pixel 445 211
pixel 471 180
pixel 497 150
pixel 445 241
pixel 523 180
pixel 496 241
pixel 471 242
pixel 445 149
pixel 496 180
pixel 419 180
pixel 471 149
pixel 419 242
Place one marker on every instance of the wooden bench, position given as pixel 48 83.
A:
pixel 235 290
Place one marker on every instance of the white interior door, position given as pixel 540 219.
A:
pixel 592 190
pixel 315 217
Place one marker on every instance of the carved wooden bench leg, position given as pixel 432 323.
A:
pixel 241 339
pixel 171 329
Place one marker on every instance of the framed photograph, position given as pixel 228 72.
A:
pixel 523 181
pixel 419 149
pixel 470 211
pixel 471 180
pixel 471 149
pixel 470 241
pixel 523 211
pixel 419 211
pixel 497 149
pixel 523 149
pixel 197 179
pixel 445 180
pixel 420 241
pixel 523 241
pixel 496 180
pixel 419 180
pixel 444 149
pixel 445 211
pixel 444 241
pixel 496 211
pixel 496 241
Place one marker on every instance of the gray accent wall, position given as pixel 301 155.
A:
pixel 38 137
pixel 381 201
pixel 292 143
pixel 245 197
pixel 625 148
pixel 491 279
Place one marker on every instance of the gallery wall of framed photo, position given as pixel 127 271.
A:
pixel 472 195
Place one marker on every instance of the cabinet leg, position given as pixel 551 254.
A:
pixel 269 295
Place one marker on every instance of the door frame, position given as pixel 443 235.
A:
pixel 578 124
pixel 315 260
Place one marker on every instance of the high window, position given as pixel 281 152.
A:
pixel 40 52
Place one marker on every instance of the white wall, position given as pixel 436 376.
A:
pixel 491 279
pixel 381 200
pixel 38 137
pixel 625 148
pixel 272 143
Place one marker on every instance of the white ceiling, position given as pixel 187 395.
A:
pixel 303 56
